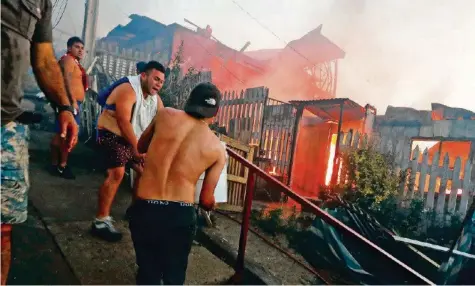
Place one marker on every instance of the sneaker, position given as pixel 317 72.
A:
pixel 104 229
pixel 65 172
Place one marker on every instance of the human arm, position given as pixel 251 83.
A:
pixel 210 181
pixel 159 103
pixel 48 74
pixel 43 61
pixel 146 137
pixel 124 103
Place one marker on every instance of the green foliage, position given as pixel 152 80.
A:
pixel 373 185
pixel 177 85
pixel 372 178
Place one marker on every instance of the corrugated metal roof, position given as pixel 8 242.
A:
pixel 329 109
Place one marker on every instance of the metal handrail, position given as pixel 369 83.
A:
pixel 256 171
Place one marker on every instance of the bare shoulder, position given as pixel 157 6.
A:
pixel 125 92
pixel 67 63
pixel 168 111
pixel 218 146
pixel 67 60
pixel 159 102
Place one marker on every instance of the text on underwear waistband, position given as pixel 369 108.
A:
pixel 165 203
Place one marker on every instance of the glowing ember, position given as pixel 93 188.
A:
pixel 331 156
pixel 459 192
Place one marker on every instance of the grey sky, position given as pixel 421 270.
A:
pixel 398 52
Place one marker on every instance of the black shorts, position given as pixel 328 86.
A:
pixel 116 150
pixel 162 233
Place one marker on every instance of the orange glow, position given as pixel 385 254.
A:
pixel 459 192
pixel 273 172
pixel 331 156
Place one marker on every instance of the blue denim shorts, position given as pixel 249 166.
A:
pixel 77 117
pixel 14 177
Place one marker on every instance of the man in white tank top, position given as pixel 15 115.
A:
pixel 119 127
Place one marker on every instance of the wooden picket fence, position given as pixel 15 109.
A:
pixel 241 114
pixel 427 179
pixel 252 117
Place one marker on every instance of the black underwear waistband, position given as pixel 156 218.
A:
pixel 163 212
pixel 163 203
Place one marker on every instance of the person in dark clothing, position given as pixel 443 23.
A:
pixel 27 37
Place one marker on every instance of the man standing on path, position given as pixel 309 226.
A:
pixel 128 108
pixel 76 83
pixel 26 37
pixel 180 147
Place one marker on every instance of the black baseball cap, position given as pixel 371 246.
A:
pixel 204 101
pixel 141 66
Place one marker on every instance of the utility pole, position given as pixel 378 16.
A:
pixel 89 29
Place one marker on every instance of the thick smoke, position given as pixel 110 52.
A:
pixel 405 53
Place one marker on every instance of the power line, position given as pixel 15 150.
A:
pixel 270 31
pixel 275 35
pixel 62 13
pixel 55 3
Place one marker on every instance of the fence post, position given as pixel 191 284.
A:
pixel 239 269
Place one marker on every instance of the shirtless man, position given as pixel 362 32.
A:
pixel 75 80
pixel 162 218
pixel 118 140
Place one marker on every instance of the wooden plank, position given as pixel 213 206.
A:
pixel 455 186
pixel 433 180
pixel 384 145
pixel 234 143
pixel 398 156
pixel 467 187
pixel 239 111
pixel 443 186
pixel 406 153
pixel 423 173
pixel 364 141
pixel 356 140
pixel 412 178
pixel 236 179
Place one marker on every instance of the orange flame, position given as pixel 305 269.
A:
pixel 331 156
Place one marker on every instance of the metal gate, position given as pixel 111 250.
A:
pixel 277 139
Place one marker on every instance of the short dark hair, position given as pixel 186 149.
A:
pixel 141 66
pixel 204 101
pixel 154 65
pixel 74 40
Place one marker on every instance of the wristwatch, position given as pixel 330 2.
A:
pixel 69 108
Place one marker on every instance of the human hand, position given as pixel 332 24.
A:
pixel 69 129
pixel 138 157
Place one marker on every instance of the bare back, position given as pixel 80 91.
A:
pixel 181 149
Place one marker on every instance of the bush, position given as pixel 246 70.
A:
pixel 373 185
pixel 177 85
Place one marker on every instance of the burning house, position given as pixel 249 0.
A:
pixel 318 132
pixel 442 130
pixel 305 69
